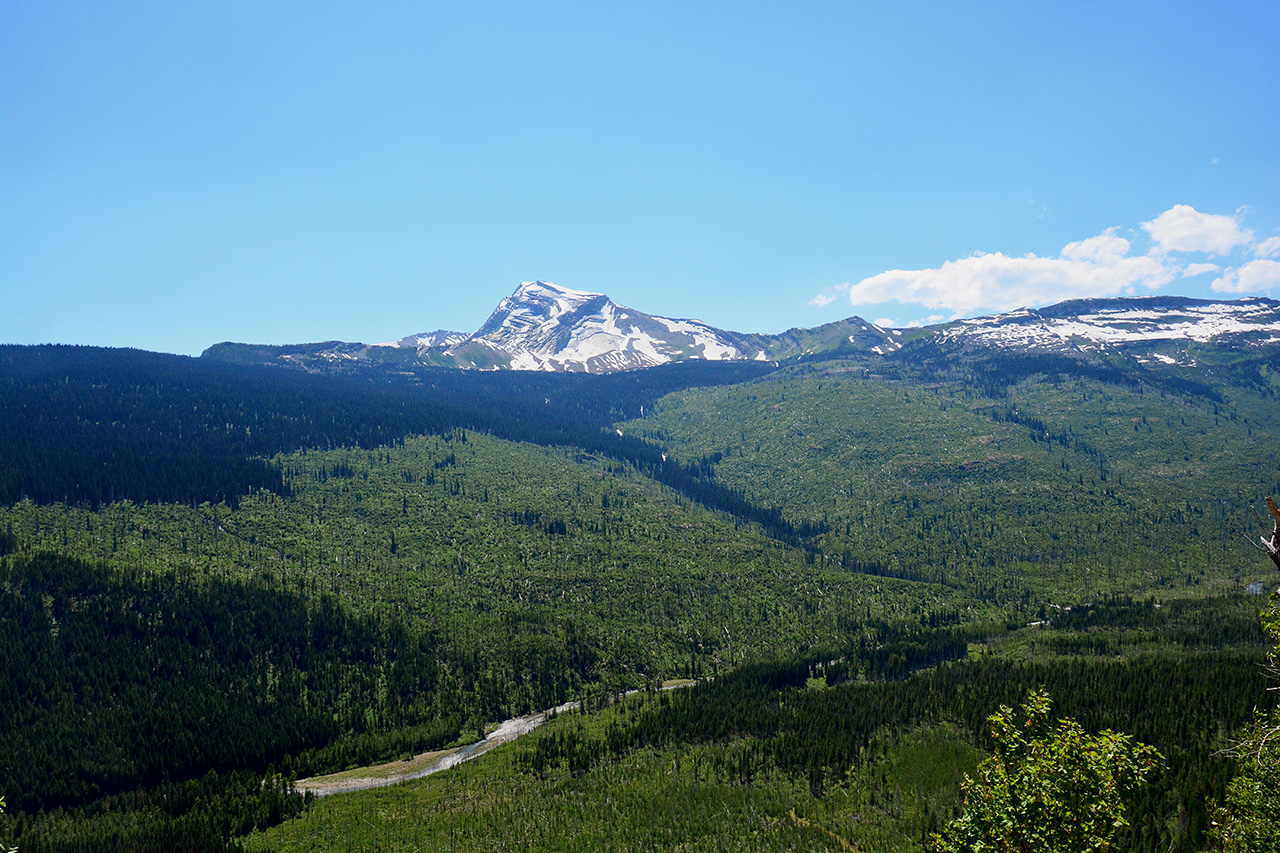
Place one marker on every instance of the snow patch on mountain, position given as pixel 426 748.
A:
pixel 543 326
pixel 440 338
pixel 1120 323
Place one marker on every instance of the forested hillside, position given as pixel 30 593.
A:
pixel 1061 486
pixel 220 576
pixel 807 754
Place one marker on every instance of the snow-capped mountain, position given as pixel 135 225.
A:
pixel 1155 324
pixel 543 326
pixel 546 327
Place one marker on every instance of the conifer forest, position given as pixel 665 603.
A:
pixel 770 606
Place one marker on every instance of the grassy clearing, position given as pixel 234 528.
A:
pixel 652 799
pixel 385 773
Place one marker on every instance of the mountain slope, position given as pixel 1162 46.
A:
pixel 545 327
pixel 1058 478
pixel 1140 325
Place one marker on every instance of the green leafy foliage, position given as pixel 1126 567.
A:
pixel 1048 787
pixel 6 848
pixel 1248 822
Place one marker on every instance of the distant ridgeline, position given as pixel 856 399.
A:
pixel 93 425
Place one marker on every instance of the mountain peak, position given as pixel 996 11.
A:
pixel 543 326
pixel 534 289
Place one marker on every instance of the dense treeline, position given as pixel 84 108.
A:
pixel 506 545
pixel 121 683
pixel 1185 704
pixel 204 815
pixel 1064 488
pixel 775 757
pixel 87 425
pixel 91 425
pixel 120 680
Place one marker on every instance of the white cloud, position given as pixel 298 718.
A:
pixel 931 320
pixel 1098 266
pixel 1252 277
pixel 1268 248
pixel 1182 228
pixel 1106 248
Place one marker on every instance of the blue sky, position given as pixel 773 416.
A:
pixel 177 174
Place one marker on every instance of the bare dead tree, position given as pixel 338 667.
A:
pixel 1269 545
pixel 1272 545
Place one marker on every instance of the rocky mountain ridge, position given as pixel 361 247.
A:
pixel 1153 328
pixel 545 327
